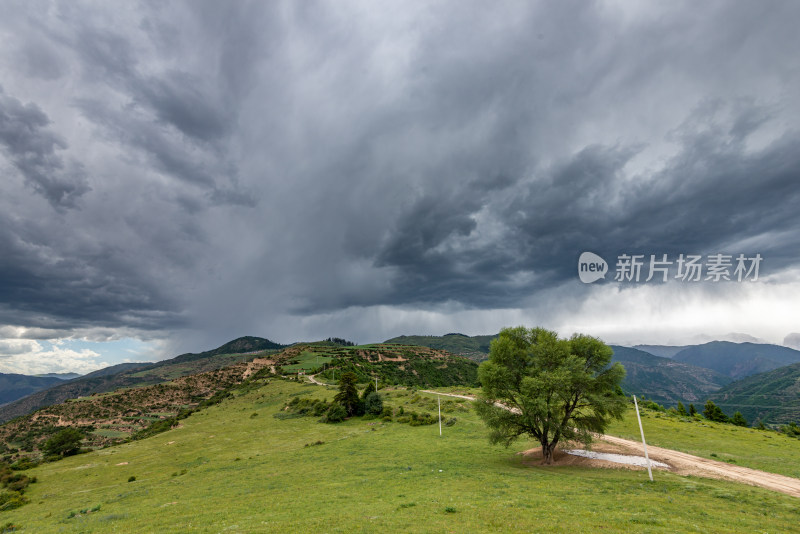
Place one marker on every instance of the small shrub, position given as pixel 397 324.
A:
pixel 373 403
pixel 792 430
pixel 335 414
pixel 10 500
pixel 66 442
pixel 131 478
pixel 23 464
pixel 422 419
pixel 450 510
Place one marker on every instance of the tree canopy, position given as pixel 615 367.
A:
pixel 535 383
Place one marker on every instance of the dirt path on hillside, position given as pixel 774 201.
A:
pixel 314 380
pixel 680 463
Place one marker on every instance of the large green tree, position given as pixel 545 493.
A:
pixel 552 389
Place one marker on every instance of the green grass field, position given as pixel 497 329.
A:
pixel 308 361
pixel 748 447
pixel 228 470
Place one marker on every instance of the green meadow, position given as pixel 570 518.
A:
pixel 759 449
pixel 235 467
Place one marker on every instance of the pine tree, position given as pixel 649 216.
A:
pixel 712 412
pixel 738 419
pixel 681 409
pixel 347 396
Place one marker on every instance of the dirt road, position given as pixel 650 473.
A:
pixel 314 380
pixel 686 464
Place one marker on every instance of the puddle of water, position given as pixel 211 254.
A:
pixel 617 458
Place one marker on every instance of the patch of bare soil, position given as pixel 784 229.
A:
pixel 533 457
pixel 383 357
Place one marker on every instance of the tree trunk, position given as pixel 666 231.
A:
pixel 547 453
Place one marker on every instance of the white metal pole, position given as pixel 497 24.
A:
pixel 649 471
pixel 376 382
pixel 439 399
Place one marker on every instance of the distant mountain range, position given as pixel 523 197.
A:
pixel 738 360
pixel 62 376
pixel 137 374
pixel 665 351
pixel 664 380
pixel 773 396
pixel 15 386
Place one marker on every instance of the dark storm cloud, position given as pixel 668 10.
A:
pixel 179 120
pixel 36 151
pixel 710 197
pixel 236 164
pixel 47 285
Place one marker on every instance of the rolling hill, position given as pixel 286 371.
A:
pixel 140 374
pixel 664 380
pixel 409 365
pixel 738 360
pixel 473 347
pixel 771 397
pixel 127 412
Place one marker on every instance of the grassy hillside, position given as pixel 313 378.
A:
pixel 237 468
pixel 664 380
pixel 738 360
pixel 139 374
pixel 116 416
pixel 772 397
pixel 473 347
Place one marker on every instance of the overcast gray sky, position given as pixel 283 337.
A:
pixel 178 174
